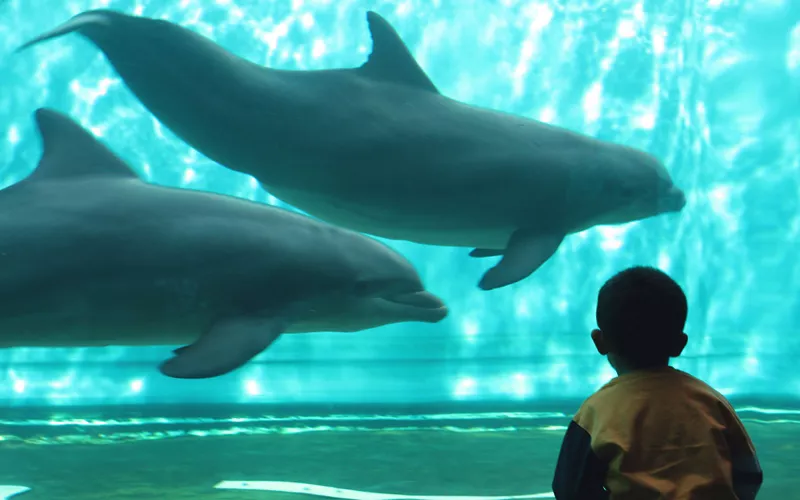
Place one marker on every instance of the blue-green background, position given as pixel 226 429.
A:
pixel 711 87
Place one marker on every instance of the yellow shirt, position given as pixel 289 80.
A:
pixel 657 434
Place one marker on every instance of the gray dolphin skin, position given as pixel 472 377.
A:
pixel 90 255
pixel 378 149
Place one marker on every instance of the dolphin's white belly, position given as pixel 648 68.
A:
pixel 392 222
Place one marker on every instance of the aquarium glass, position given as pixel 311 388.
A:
pixel 710 87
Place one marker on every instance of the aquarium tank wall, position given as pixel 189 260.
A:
pixel 711 88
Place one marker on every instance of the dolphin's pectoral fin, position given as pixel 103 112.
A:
pixel 480 253
pixel 180 349
pixel 526 252
pixel 390 59
pixel 228 345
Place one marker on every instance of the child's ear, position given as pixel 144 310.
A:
pixel 679 345
pixel 599 342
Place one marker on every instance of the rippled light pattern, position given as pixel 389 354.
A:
pixel 711 87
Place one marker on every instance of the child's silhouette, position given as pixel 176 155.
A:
pixel 653 432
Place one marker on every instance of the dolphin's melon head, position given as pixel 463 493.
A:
pixel 633 185
pixel 380 271
pixel 386 288
pixel 353 314
pixel 399 308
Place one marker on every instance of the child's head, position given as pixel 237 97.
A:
pixel 641 313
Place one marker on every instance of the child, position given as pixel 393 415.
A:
pixel 653 432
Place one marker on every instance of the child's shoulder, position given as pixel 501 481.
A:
pixel 632 392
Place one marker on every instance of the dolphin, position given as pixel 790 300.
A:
pixel 90 255
pixel 378 149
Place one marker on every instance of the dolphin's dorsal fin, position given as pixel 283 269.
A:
pixel 70 151
pixel 390 60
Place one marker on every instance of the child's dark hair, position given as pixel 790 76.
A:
pixel 641 312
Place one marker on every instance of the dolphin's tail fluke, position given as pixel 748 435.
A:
pixel 79 24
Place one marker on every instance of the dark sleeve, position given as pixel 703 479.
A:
pixel 580 474
pixel 746 471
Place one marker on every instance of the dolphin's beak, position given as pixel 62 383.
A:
pixel 674 200
pixel 435 310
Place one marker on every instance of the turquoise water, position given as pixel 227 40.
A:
pixel 710 87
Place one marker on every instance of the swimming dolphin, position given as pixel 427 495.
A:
pixel 92 256
pixel 378 149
